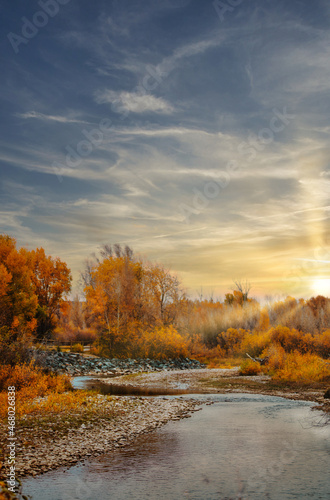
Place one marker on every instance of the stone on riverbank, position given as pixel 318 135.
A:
pixel 76 364
pixel 39 452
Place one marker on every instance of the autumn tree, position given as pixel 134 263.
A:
pixel 127 297
pixel 52 280
pixel 74 322
pixel 240 295
pixel 164 293
pixel 18 301
pixel 243 289
pixel 17 295
pixel 113 293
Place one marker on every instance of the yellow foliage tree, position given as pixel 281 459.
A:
pixel 52 280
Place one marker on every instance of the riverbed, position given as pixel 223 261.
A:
pixel 242 446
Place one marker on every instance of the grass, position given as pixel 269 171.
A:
pixel 56 415
pixel 219 362
pixel 265 386
pixel 62 412
pixel 224 383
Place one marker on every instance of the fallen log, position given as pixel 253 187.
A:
pixel 261 361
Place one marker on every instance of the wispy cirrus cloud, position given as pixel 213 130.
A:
pixel 132 102
pixel 215 86
pixel 53 118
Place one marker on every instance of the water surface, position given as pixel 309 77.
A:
pixel 243 446
pixel 96 383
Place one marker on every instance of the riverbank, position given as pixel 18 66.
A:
pixel 82 424
pixel 74 364
pixel 219 380
pixel 100 424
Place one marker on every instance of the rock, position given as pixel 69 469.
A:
pixel 327 394
pixel 76 364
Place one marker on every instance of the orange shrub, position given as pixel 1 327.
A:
pixel 232 339
pixel 77 348
pixel 295 366
pixel 249 367
pixel 264 322
pixel 303 368
pixel 18 376
pixel 163 342
pixel 95 350
pixel 5 494
pixel 276 355
pixel 292 340
pixel 322 344
pixel 254 343
pixel 69 332
pixel 30 382
pixel 211 356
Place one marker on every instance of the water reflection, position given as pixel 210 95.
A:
pixel 243 446
pixel 125 390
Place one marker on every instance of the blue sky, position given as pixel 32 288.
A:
pixel 195 131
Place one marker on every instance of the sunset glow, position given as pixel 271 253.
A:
pixel 205 148
pixel 321 286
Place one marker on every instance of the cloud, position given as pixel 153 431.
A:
pixel 132 102
pixel 218 84
pixel 42 116
pixel 169 63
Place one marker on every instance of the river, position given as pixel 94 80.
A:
pixel 243 446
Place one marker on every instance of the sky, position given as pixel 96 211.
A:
pixel 195 131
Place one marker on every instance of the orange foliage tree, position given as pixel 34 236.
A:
pixel 18 301
pixel 126 297
pixel 18 298
pixel 52 280
pixel 32 286
pixel 114 298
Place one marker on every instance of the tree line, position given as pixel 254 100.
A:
pixel 125 297
pixel 134 308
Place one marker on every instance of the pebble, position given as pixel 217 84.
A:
pixel 135 417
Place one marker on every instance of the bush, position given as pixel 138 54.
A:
pixel 292 340
pixel 74 334
pixel 249 367
pixel 79 348
pixel 15 351
pixel 30 382
pixel 303 368
pixel 296 367
pixel 276 356
pixel 255 343
pixel 163 343
pixel 95 350
pixel 231 340
pixel 322 344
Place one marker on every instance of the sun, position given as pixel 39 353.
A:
pixel 321 286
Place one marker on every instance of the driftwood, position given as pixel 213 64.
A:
pixel 261 361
